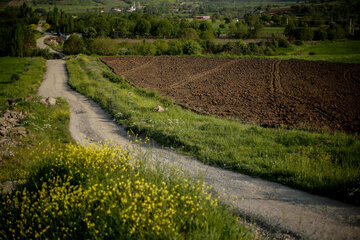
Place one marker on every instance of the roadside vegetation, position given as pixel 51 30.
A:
pixel 20 79
pixel 319 162
pixel 64 190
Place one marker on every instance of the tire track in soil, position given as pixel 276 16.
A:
pixel 276 87
pixel 201 74
pixel 148 63
pixel 349 75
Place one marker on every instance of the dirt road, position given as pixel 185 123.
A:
pixel 274 205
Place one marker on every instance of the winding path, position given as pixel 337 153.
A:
pixel 276 206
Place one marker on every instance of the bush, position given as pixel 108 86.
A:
pixel 191 48
pixel 162 47
pixel 145 48
pixel 104 46
pixel 175 47
pixel 283 43
pixel 73 45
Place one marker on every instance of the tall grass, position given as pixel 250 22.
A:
pixel 320 162
pixel 102 193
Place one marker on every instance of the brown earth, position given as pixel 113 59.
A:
pixel 291 93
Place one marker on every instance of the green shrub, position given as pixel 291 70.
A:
pixel 73 45
pixel 175 47
pixel 191 48
pixel 283 43
pixel 104 46
pixel 162 47
pixel 145 48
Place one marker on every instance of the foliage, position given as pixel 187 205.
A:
pixel 73 45
pixel 175 47
pixel 162 47
pixel 145 48
pixel 103 46
pixel 16 36
pixel 191 48
pixel 103 192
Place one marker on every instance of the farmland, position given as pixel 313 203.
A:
pixel 262 91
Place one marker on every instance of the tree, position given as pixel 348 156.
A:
pixel 164 28
pixel 189 34
pixel 207 35
pixel 17 48
pixel 89 32
pixel 142 27
pixel 73 45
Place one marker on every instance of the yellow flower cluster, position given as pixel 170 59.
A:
pixel 99 192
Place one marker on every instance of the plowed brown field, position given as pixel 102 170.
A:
pixel 269 92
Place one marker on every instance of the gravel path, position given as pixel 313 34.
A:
pixel 277 207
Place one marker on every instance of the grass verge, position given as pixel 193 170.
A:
pixel 318 162
pixel 20 79
pixel 99 193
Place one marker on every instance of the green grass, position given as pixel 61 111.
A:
pixel 101 193
pixel 347 51
pixel 45 124
pixel 319 162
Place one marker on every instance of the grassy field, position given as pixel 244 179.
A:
pixel 319 162
pixel 347 51
pixel 67 191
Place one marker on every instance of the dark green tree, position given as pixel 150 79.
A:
pixel 17 48
pixel 73 45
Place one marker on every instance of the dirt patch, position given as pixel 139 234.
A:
pixel 290 93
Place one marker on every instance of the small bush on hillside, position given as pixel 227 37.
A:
pixel 162 47
pixel 145 48
pixel 283 43
pixel 175 47
pixel 191 48
pixel 104 46
pixel 73 45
